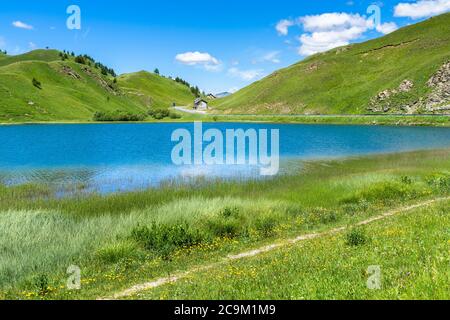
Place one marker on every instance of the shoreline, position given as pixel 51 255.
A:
pixel 70 190
pixel 369 120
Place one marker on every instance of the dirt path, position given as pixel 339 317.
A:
pixel 162 281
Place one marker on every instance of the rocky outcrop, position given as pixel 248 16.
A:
pixel 440 83
pixel 102 82
pixel 314 66
pixel 406 86
pixel 68 71
pixel 382 102
pixel 437 101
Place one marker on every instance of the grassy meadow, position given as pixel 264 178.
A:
pixel 378 120
pixel 71 91
pixel 411 251
pixel 121 240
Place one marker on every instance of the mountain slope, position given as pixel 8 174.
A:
pixel 388 74
pixel 36 55
pixel 151 89
pixel 71 91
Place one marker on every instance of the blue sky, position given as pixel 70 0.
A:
pixel 218 45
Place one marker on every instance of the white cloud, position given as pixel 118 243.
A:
pixel 283 26
pixel 22 25
pixel 32 45
pixel 386 28
pixel 422 8
pixel 330 30
pixel 272 56
pixel 333 21
pixel 327 40
pixel 196 58
pixel 2 43
pixel 246 75
pixel 213 67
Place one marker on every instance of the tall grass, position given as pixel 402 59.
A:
pixel 36 242
pixel 40 242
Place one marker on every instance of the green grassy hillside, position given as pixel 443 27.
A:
pixel 151 89
pixel 36 55
pixel 71 91
pixel 345 80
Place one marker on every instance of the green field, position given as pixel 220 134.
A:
pixel 331 268
pixel 72 91
pixel 346 79
pixel 160 92
pixel 379 120
pixel 121 240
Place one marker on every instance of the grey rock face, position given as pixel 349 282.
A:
pixel 437 101
pixel 406 86
pixel 440 82
pixel 381 102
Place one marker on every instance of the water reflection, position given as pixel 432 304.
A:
pixel 123 178
pixel 112 157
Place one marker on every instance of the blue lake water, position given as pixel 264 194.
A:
pixel 118 157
